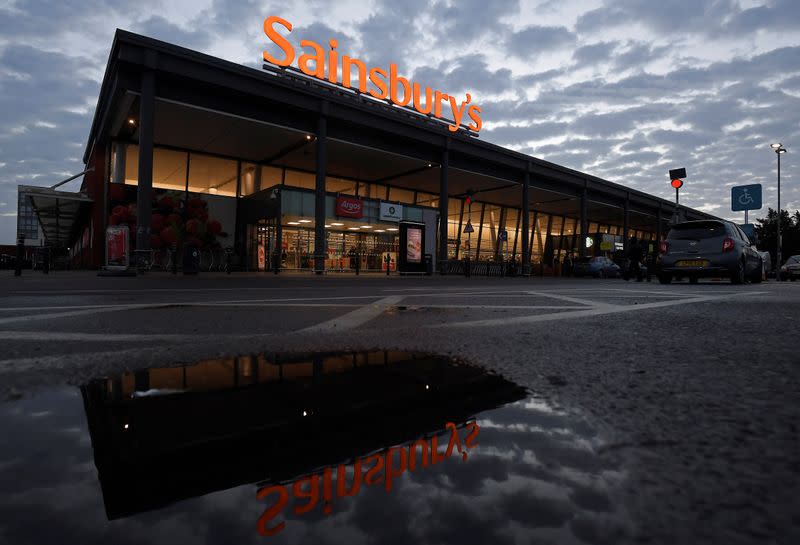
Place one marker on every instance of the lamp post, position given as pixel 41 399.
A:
pixel 779 150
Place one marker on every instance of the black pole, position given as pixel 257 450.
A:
pixel 584 224
pixel 144 191
pixel 444 202
pixel 526 224
pixel 20 254
pixel 319 196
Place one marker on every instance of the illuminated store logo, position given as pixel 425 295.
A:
pixel 350 208
pixel 385 85
pixel 376 469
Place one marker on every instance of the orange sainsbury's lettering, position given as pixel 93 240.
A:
pixel 279 40
pixel 387 85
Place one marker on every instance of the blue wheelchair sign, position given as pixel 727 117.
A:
pixel 746 197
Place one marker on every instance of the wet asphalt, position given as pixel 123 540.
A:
pixel 695 387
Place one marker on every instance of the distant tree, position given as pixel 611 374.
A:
pixel 767 232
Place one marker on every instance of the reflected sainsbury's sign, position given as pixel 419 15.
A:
pixel 377 469
pixel 315 62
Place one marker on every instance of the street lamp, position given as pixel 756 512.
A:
pixel 779 150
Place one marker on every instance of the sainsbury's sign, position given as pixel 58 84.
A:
pixel 315 62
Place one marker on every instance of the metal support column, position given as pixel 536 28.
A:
pixel 626 222
pixel 444 201
pixel 526 224
pixel 319 195
pixel 584 223
pixel 144 190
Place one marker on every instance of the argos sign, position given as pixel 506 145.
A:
pixel 314 61
pixel 349 208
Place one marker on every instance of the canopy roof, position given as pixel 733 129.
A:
pixel 57 211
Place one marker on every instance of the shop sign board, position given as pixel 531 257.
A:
pixel 117 250
pixel 391 212
pixel 349 207
pixel 323 61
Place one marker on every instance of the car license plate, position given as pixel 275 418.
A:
pixel 693 263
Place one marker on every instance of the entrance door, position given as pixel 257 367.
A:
pixel 261 245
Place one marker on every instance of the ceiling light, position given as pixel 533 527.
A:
pixel 212 190
pixel 304 221
pixel 379 231
pixel 337 224
pixel 327 226
pixel 366 226
pixel 353 228
pixel 293 223
pixel 131 121
pixel 392 229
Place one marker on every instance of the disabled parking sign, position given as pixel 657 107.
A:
pixel 746 197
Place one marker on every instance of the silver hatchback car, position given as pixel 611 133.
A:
pixel 706 248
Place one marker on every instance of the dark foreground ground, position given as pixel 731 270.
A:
pixel 694 388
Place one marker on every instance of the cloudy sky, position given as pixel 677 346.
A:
pixel 621 89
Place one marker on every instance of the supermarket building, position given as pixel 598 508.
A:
pixel 294 173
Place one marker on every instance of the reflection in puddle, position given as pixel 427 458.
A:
pixel 325 448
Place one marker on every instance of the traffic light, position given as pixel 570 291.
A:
pixel 468 199
pixel 677 183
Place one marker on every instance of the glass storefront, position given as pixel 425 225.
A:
pixel 198 194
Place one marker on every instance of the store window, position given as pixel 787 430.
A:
pixel 212 175
pixel 338 185
pixel 401 195
pixel 300 179
pixel 427 199
pixel 512 215
pixel 169 168
pixel 258 177
pixel 488 235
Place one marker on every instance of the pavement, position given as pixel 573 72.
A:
pixel 697 387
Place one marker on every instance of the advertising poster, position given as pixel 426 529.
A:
pixel 117 246
pixel 414 245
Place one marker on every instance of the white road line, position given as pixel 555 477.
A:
pixel 97 337
pixel 32 317
pixel 596 311
pixel 568 299
pixel 511 307
pixel 355 318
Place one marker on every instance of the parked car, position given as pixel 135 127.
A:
pixel 791 269
pixel 705 248
pixel 599 267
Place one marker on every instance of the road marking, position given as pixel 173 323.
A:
pixel 96 337
pixel 568 299
pixel 595 311
pixel 355 318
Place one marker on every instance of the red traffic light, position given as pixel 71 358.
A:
pixel 468 200
pixel 676 183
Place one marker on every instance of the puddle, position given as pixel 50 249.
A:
pixel 379 447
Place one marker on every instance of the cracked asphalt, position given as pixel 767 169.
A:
pixel 696 387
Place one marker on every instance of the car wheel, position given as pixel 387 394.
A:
pixel 758 273
pixel 693 280
pixel 664 278
pixel 737 276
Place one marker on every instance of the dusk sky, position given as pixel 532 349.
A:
pixel 620 89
